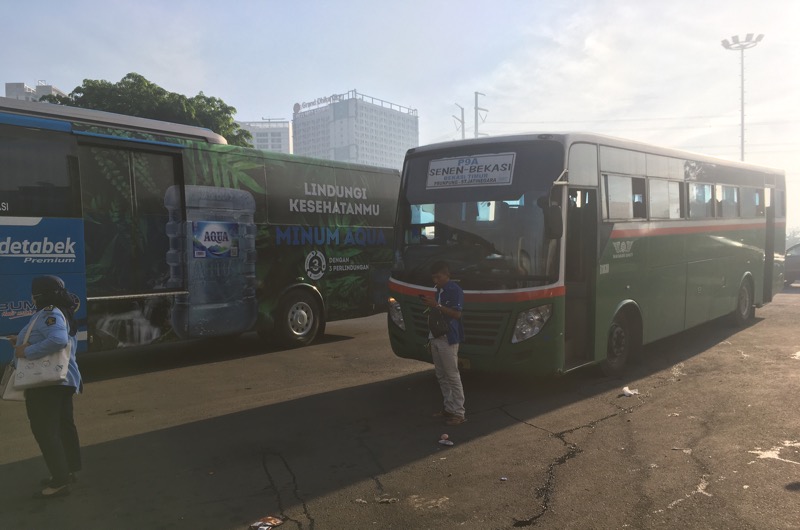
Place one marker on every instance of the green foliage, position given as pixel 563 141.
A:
pixel 212 166
pixel 134 95
pixel 346 294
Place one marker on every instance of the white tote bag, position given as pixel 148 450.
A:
pixel 44 371
pixel 7 385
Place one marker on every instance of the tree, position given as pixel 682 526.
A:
pixel 134 95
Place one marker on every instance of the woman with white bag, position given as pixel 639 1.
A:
pixel 50 407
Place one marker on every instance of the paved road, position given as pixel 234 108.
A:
pixel 340 435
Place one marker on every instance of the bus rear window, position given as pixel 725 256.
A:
pixel 38 174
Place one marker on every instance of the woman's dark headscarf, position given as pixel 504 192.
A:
pixel 50 290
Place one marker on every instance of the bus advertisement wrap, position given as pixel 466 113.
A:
pixel 167 233
pixel 31 247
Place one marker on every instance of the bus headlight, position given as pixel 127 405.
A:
pixel 531 322
pixel 396 314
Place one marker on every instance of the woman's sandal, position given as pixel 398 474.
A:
pixel 54 491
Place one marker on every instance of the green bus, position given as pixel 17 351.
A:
pixel 577 249
pixel 164 232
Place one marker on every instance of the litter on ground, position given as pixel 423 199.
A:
pixel 266 523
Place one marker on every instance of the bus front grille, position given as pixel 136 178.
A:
pixel 482 329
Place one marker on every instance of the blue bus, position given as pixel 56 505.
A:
pixel 164 232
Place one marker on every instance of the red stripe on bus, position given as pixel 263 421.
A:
pixel 484 296
pixel 673 230
pixel 517 296
pixel 406 289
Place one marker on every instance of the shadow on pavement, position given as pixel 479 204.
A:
pixel 226 471
pixel 105 365
pixel 793 486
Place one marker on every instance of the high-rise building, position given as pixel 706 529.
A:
pixel 353 127
pixel 26 93
pixel 270 134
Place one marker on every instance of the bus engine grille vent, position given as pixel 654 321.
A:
pixel 482 328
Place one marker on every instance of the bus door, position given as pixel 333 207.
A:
pixel 580 264
pixel 129 294
pixel 769 245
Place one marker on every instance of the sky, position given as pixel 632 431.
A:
pixel 646 70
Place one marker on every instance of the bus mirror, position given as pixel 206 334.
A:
pixel 553 225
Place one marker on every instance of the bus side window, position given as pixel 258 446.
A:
pixel 627 197
pixel 749 202
pixel 665 199
pixel 701 201
pixel 760 201
pixel 639 210
pixel 38 176
pixel 780 203
pixel 125 219
pixel 638 188
pixel 619 197
pixel 727 198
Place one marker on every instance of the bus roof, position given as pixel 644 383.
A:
pixel 307 160
pixel 108 119
pixel 567 138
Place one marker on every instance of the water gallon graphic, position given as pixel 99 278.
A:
pixel 212 253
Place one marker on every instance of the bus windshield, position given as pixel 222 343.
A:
pixel 492 235
pixel 488 244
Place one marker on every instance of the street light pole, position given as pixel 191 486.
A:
pixel 737 44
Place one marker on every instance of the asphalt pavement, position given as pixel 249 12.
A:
pixel 340 434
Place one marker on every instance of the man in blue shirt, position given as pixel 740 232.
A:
pixel 444 350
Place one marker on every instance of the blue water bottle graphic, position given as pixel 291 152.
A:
pixel 212 255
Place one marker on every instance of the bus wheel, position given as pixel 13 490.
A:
pixel 621 344
pixel 745 311
pixel 299 319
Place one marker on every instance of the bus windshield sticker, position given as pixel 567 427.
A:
pixel 471 171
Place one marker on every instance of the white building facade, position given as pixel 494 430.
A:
pixel 26 93
pixel 270 134
pixel 356 128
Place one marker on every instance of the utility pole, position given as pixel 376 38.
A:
pixel 477 109
pixel 461 121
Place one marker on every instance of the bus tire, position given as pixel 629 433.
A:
pixel 745 309
pixel 299 319
pixel 622 344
